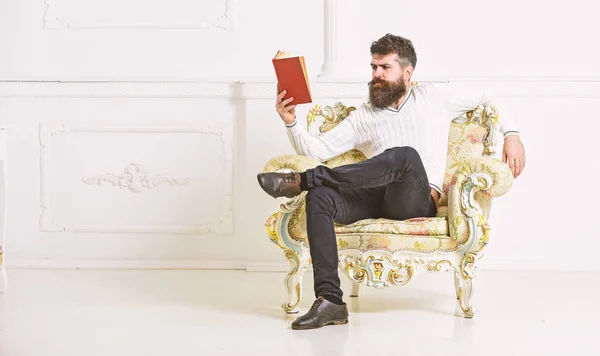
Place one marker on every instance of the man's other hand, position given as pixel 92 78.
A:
pixel 513 153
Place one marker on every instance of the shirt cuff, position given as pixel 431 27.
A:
pixel 436 188
pixel 511 133
pixel 292 124
pixel 294 130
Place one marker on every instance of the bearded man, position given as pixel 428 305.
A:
pixel 403 132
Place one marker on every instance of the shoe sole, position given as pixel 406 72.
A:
pixel 333 322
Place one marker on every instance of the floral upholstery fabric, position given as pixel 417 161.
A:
pixel 352 156
pixel 436 227
pixel 442 212
pixel 465 141
pixel 425 235
pixel 396 242
pixel 417 226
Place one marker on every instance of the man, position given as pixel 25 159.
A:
pixel 403 131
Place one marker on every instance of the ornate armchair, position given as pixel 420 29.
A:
pixel 383 253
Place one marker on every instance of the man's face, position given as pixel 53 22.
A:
pixel 386 67
pixel 388 83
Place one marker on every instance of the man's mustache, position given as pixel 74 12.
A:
pixel 379 81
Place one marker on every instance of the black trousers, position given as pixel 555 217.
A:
pixel 392 185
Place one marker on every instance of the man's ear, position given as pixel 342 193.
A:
pixel 408 71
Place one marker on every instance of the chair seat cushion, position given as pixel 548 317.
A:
pixel 423 235
pixel 396 243
pixel 436 226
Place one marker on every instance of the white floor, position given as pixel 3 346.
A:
pixel 128 313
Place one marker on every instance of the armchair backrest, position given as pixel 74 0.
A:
pixel 471 135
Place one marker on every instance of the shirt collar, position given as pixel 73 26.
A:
pixel 403 101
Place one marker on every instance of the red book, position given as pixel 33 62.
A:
pixel 292 77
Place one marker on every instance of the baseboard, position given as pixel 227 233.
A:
pixel 267 267
pixel 483 265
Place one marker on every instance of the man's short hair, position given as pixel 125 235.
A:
pixel 403 47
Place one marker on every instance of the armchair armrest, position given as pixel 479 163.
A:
pixel 295 163
pixel 474 184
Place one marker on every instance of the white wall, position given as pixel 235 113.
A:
pixel 140 82
pixel 178 40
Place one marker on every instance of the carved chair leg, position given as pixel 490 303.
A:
pixel 464 290
pixel 457 283
pixel 355 287
pixel 293 281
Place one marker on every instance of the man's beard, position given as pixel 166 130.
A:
pixel 384 95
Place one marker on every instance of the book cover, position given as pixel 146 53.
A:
pixel 292 76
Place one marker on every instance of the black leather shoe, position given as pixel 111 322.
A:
pixel 322 313
pixel 280 184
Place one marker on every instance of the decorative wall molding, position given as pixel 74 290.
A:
pixel 134 178
pixel 505 87
pixel 338 37
pixel 119 89
pixel 48 223
pixel 516 88
pixel 99 14
pixel 319 90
